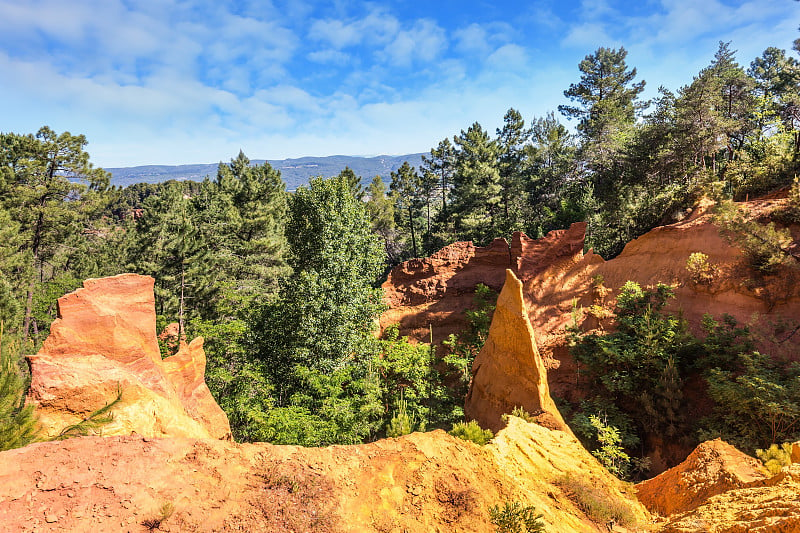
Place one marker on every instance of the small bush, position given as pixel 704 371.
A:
pixel 596 504
pixel 700 270
pixel 519 412
pixel 516 518
pixel 472 431
pixel 776 457
pixel 164 512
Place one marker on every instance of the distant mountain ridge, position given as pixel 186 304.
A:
pixel 295 172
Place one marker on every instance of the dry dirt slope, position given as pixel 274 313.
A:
pixel 422 482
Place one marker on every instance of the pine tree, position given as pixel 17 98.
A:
pixel 42 176
pixel 405 188
pixel 18 425
pixel 476 193
pixel 513 168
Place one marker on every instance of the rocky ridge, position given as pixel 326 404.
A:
pixel 105 338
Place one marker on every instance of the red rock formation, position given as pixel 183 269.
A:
pixel 712 468
pixel 558 277
pixel 104 340
pixel 436 290
pixel 509 372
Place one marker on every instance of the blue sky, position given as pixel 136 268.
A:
pixel 194 81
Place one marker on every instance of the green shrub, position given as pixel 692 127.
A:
pixel 519 412
pixel 471 431
pixel 599 506
pixel 18 424
pixel 401 423
pixel 516 518
pixel 765 246
pixel 776 457
pixel 700 270
pixel 610 454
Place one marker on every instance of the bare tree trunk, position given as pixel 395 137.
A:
pixel 413 236
pixel 180 311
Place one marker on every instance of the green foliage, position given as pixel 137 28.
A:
pixel 236 379
pixel 462 349
pixel 471 431
pixel 599 506
pixel 605 409
pixel 632 358
pixel 93 423
pixel 776 457
pixel 610 454
pixel 765 246
pixel 700 270
pixel 514 517
pixel 757 404
pixel 18 424
pixel 401 423
pixel 342 407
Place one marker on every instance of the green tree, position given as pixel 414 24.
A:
pixel 18 425
pixel 441 163
pixel 380 210
pixel 241 216
pixel 476 195
pixel 608 103
pixel 757 404
pixel 353 183
pixel 405 189
pixel 512 169
pixel 48 182
pixel 326 307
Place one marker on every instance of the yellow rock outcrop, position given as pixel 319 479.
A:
pixel 104 341
pixel 509 372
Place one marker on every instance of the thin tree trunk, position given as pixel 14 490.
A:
pixel 411 225
pixel 180 311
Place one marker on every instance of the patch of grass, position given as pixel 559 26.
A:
pixel 514 517
pixel 776 457
pixel 471 431
pixel 598 505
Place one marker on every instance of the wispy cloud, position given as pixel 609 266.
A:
pixel 177 81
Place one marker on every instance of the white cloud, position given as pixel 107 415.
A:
pixel 329 56
pixel 423 42
pixel 375 27
pixel 472 39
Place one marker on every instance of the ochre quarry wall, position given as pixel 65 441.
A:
pixel 104 341
pixel 560 282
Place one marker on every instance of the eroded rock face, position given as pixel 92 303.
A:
pixel 421 482
pixel 714 467
pixel 104 341
pixel 436 290
pixel 509 372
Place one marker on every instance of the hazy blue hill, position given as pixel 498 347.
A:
pixel 295 172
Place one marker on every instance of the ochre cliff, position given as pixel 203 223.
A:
pixel 720 489
pixel 423 482
pixel 104 341
pixel 559 278
pixel 437 289
pixel 509 372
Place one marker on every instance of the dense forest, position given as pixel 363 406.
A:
pixel 283 286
